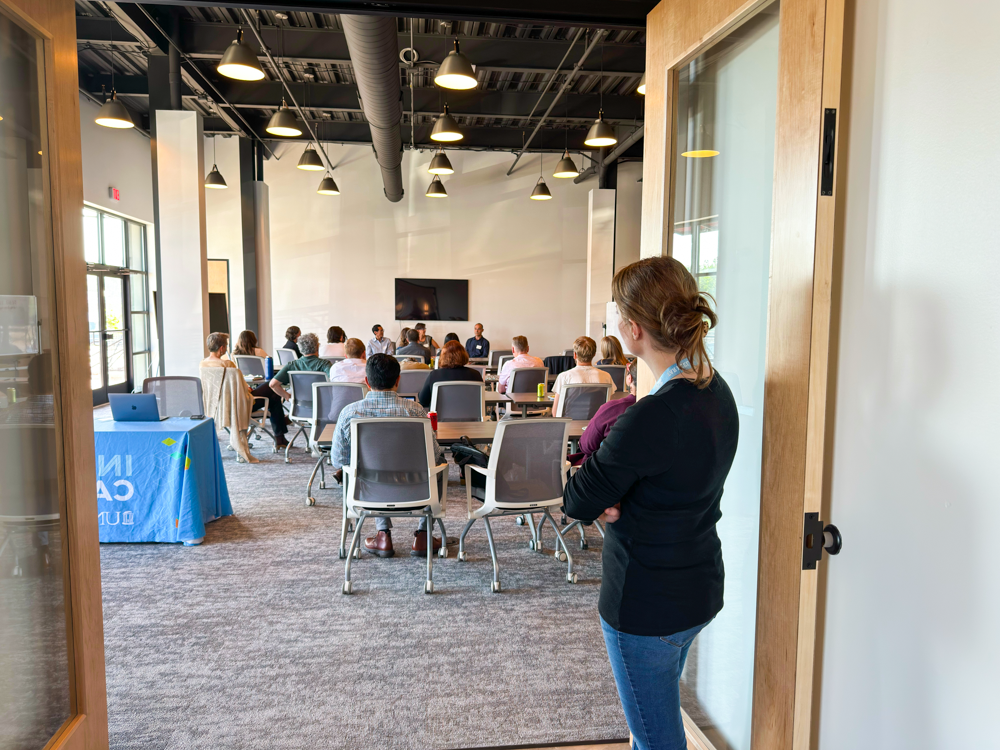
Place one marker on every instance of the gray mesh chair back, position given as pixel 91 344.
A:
pixel 329 399
pixel 301 389
pixel 568 352
pixel 582 400
pixel 285 356
pixel 409 358
pixel 481 369
pixel 391 461
pixel 176 396
pixel 484 361
pixel 502 360
pixel 33 493
pixel 334 360
pixel 527 379
pixel 617 373
pixel 411 381
pixel 495 357
pixel 459 401
pixel 250 365
pixel 529 459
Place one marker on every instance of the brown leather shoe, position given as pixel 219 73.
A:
pixel 420 543
pixel 380 544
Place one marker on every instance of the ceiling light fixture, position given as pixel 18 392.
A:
pixel 456 72
pixel 541 190
pixel 284 123
pixel 310 160
pixel 240 61
pixel 566 167
pixel 446 128
pixel 436 188
pixel 700 153
pixel 327 186
pixel 215 179
pixel 112 113
pixel 601 134
pixel 441 164
pixel 641 88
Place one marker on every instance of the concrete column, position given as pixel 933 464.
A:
pixel 628 213
pixel 262 258
pixel 183 256
pixel 600 258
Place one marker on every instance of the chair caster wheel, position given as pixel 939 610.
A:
pixel 571 578
pixel 519 520
pixel 560 556
pixel 463 556
pixel 357 554
pixel 583 544
pixel 429 587
pixel 322 485
pixel 347 587
pixel 531 544
pixel 495 587
pixel 288 461
pixel 310 501
pixel 443 552
pixel 342 554
pixel 563 520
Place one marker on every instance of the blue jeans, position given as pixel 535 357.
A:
pixel 647 672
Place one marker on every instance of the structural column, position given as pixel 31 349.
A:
pixel 255 215
pixel 600 258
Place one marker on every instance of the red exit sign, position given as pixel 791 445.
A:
pixel 113 194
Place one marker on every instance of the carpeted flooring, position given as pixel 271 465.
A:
pixel 247 641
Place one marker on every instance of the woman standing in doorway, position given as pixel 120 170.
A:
pixel 657 479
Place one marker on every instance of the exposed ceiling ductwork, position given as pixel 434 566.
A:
pixel 374 49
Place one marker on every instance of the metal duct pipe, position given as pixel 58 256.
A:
pixel 374 50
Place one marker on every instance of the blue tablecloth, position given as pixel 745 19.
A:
pixel 158 481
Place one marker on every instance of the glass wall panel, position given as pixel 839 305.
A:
pixel 113 240
pixel 34 666
pixel 722 232
pixel 91 236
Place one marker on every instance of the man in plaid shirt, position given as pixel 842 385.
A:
pixel 382 378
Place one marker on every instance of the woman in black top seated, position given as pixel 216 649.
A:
pixel 292 339
pixel 658 479
pixel 454 359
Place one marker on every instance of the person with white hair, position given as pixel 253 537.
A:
pixel 308 362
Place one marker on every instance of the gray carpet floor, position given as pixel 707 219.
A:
pixel 247 641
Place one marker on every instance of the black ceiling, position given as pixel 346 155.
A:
pixel 514 60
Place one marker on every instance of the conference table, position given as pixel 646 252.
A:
pixel 158 481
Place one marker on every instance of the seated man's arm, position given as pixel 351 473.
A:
pixel 279 381
pixel 340 450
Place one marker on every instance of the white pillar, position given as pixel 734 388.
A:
pixel 600 258
pixel 262 255
pixel 183 287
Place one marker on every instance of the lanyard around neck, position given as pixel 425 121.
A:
pixel 670 373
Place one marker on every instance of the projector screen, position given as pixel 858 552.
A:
pixel 432 299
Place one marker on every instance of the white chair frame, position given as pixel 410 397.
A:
pixel 561 404
pixel 262 360
pixel 461 384
pixel 289 356
pixel 491 507
pixel 431 507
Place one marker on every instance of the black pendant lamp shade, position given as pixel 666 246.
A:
pixel 113 114
pixel 215 179
pixel 446 128
pixel 541 191
pixel 441 164
pixel 327 186
pixel 566 167
pixel 284 123
pixel 310 160
pixel 240 61
pixel 601 134
pixel 456 72
pixel 641 88
pixel 436 189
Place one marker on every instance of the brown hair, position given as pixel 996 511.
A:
pixel 454 355
pixel 662 297
pixel 246 343
pixel 354 349
pixel 291 332
pixel 335 335
pixel 520 343
pixel 584 348
pixel 611 351
pixel 402 337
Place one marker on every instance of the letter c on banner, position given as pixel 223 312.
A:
pixel 124 483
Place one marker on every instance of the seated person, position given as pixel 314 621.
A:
pixel 611 352
pixel 409 364
pixel 478 346
pixel 452 366
pixel 352 369
pixel 519 348
pixel 246 344
pixel 382 377
pixel 403 340
pixel 450 337
pixel 308 362
pixel 379 344
pixel 584 349
pixel 604 420
pixel 414 347
pixel 334 346
pixel 291 339
pixel 426 341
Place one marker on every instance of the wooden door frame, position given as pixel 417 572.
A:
pixel 797 358
pixel 54 21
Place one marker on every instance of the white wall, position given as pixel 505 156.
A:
pixel 911 651
pixel 224 223
pixel 116 158
pixel 334 258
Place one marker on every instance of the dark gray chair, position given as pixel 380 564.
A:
pixel 617 373
pixel 495 357
pixel 176 395
pixel 526 380
pixel 250 365
pixel 286 356
pixel 459 401
pixel 411 381
pixel 301 411
pixel 582 400
pixel 328 399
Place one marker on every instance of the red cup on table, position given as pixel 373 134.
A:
pixel 434 420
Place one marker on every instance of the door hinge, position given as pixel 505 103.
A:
pixel 829 149
pixel 815 538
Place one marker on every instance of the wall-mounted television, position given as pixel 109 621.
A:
pixel 432 299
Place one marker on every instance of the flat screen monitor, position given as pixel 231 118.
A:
pixel 432 299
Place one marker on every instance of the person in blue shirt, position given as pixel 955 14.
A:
pixel 478 346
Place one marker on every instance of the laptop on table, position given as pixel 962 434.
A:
pixel 134 407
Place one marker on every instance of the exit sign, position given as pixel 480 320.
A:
pixel 113 194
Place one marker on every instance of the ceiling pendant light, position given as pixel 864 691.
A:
pixel 436 188
pixel 456 72
pixel 215 179
pixel 566 168
pixel 541 190
pixel 240 61
pixel 284 123
pixel 327 186
pixel 702 153
pixel 440 164
pixel 310 160
pixel 641 88
pixel 112 113
pixel 446 128
pixel 600 134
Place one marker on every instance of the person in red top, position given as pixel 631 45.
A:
pixel 605 418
